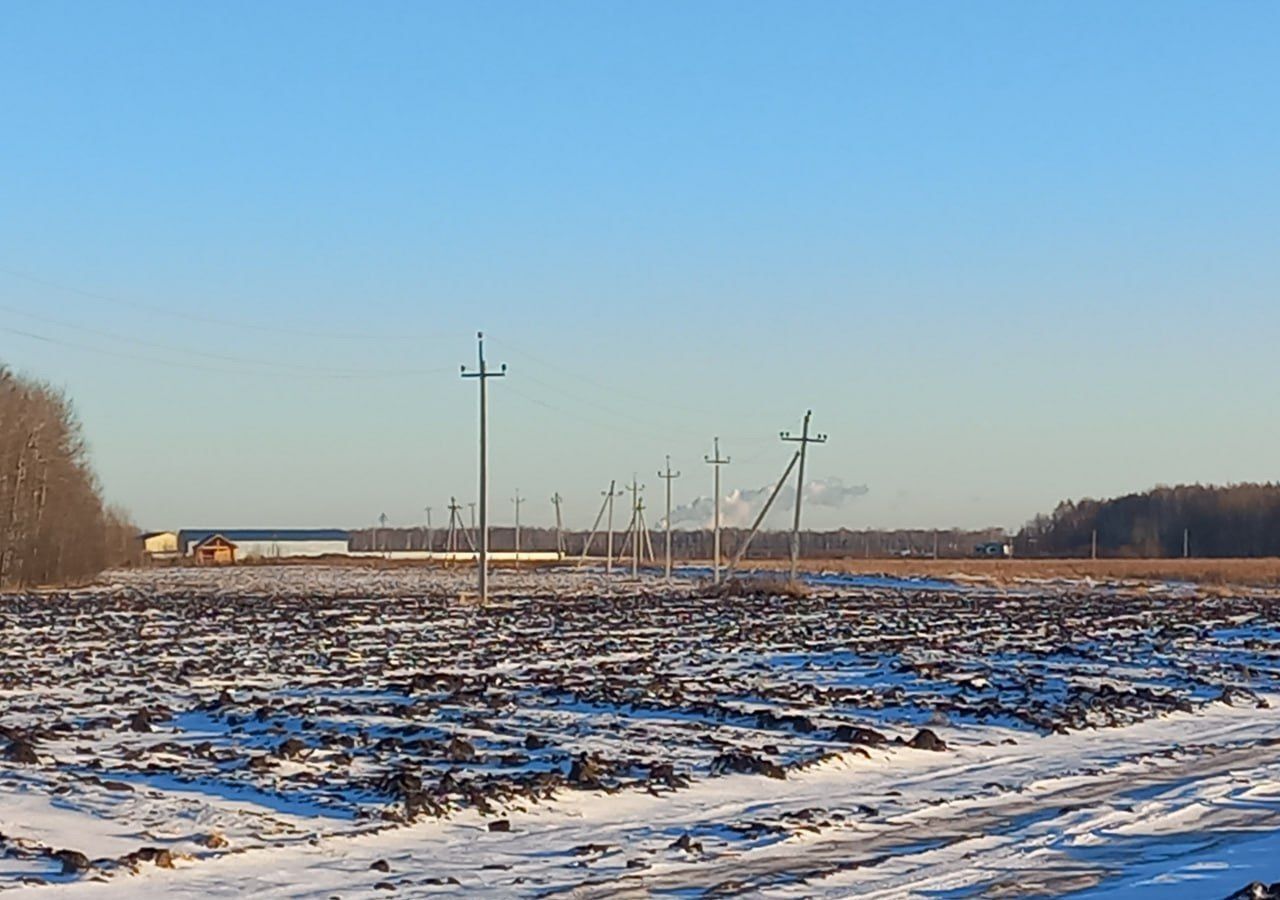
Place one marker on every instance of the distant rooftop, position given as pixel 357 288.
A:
pixel 186 535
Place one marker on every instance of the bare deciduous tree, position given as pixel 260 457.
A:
pixel 53 524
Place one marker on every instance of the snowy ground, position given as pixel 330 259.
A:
pixel 317 732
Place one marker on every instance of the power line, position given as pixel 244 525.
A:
pixel 183 351
pixel 611 426
pixel 626 413
pixel 580 398
pixel 212 320
pixel 537 401
pixel 132 357
pixel 564 370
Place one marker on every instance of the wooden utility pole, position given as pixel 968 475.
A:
pixel 804 440
pixel 1093 545
pixel 668 476
pixel 716 462
pixel 483 375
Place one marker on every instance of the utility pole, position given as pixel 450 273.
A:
pixel 517 500
pixel 483 375
pixel 1186 543
pixel 642 539
pixel 609 495
pixel 430 533
pixel 636 521
pixel 1093 545
pixel 451 542
pixel 716 462
pixel 804 440
pixel 668 476
pixel 556 500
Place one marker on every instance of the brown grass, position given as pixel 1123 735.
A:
pixel 1224 572
pixel 749 585
pixel 1253 572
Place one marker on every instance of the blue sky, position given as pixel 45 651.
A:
pixel 1007 252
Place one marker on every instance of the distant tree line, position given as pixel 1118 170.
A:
pixel 1228 521
pixel 840 543
pixel 54 527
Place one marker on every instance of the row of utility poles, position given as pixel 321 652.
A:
pixel 638 531
pixel 1186 544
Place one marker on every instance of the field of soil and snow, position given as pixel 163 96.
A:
pixel 320 732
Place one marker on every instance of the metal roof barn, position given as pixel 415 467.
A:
pixel 272 543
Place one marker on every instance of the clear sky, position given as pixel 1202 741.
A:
pixel 1007 252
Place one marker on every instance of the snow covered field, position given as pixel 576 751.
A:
pixel 318 732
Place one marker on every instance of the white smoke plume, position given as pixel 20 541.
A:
pixel 739 508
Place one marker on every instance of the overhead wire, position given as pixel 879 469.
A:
pixel 564 370
pixel 574 396
pixel 645 435
pixel 183 351
pixel 134 357
pixel 578 396
pixel 213 320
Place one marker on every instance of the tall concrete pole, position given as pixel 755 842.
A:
pixel 716 462
pixel 517 500
pixel 430 534
pixel 668 476
pixel 483 375
pixel 556 500
pixel 804 440
pixel 455 522
pixel 635 489
pixel 608 500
